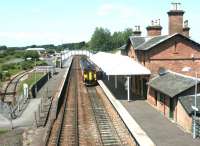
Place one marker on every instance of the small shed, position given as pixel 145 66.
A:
pixel 168 93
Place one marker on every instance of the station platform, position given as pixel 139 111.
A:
pixel 27 117
pixel 147 124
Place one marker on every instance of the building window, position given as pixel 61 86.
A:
pixel 160 97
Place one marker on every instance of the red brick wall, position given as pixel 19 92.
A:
pixel 175 24
pixel 175 59
pixel 163 107
pixel 131 52
pixel 151 97
pixel 183 119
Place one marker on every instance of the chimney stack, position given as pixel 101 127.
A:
pixel 175 19
pixel 186 29
pixel 137 31
pixel 154 29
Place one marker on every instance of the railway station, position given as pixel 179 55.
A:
pixel 144 94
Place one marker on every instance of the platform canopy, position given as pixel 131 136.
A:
pixel 113 64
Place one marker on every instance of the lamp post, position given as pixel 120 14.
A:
pixel 195 109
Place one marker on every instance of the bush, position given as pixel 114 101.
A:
pixel 41 63
pixel 27 65
pixel 8 66
pixel 31 54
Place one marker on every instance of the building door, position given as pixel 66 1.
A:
pixel 145 88
pixel 171 108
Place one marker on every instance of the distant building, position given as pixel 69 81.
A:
pixel 39 50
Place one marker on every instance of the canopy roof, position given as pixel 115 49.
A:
pixel 113 64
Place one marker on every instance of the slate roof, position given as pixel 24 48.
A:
pixel 188 101
pixel 146 43
pixel 137 40
pixel 151 42
pixel 171 83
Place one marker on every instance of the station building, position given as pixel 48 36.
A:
pixel 177 54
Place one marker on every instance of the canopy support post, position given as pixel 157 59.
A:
pixel 128 88
pixel 115 81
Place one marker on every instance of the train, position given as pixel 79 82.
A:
pixel 90 72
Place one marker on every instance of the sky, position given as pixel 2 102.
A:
pixel 28 22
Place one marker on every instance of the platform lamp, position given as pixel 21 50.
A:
pixel 194 107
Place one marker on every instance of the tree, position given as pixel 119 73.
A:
pixel 101 40
pixel 31 54
pixel 126 34
pixel 3 47
pixel 117 39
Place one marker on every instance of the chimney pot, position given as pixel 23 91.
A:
pixel 154 29
pixel 186 29
pixel 137 31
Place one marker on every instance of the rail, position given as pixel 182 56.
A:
pixel 54 104
pixel 106 129
pixel 9 83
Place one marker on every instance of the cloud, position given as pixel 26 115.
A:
pixel 123 11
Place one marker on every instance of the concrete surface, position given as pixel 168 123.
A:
pixel 162 131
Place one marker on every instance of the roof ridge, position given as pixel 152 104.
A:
pixel 182 75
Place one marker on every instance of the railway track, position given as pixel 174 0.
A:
pixel 65 128
pixel 83 119
pixel 69 123
pixel 108 134
pixel 11 88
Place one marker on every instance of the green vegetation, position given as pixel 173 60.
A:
pixel 32 55
pixel 31 80
pixel 102 40
pixel 3 131
pixel 13 61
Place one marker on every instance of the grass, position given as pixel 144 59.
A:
pixel 3 131
pixel 31 80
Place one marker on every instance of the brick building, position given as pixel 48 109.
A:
pixel 175 52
